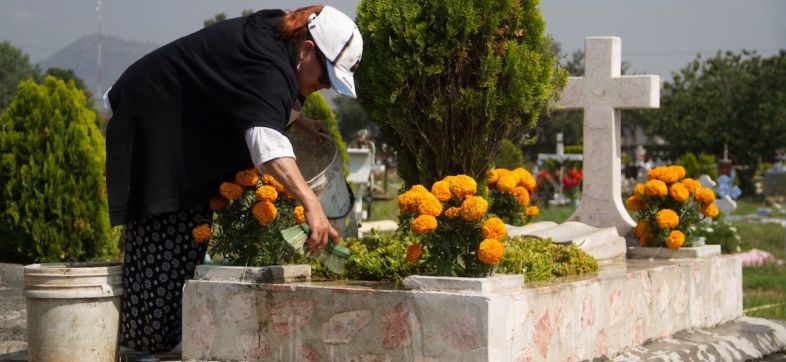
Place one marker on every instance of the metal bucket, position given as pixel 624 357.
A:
pixel 321 167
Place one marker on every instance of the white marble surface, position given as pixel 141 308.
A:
pixel 602 243
pixel 602 93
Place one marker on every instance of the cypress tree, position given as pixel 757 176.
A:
pixel 53 203
pixel 448 80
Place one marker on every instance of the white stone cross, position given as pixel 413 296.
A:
pixel 602 93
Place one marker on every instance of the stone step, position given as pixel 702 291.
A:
pixel 744 339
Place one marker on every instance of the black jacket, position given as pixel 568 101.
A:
pixel 180 114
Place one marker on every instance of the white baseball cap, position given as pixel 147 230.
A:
pixel 337 36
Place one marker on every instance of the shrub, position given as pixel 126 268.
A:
pixel 540 259
pixel 697 166
pixel 53 204
pixel 447 80
pixel 510 156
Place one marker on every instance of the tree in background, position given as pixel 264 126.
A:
pixel 704 164
pixel 14 67
pixel 53 203
pixel 509 157
pixel 221 17
pixel 448 80
pixel 351 117
pixel 215 19
pixel 730 99
pixel 316 107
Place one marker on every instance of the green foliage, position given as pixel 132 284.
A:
pixel 241 240
pixel 719 232
pixel 447 80
pixel 379 257
pixel 697 166
pixel 53 204
pixel 541 259
pixel 14 67
pixel 510 156
pixel 215 19
pixel 350 116
pixel 317 108
pixel 732 99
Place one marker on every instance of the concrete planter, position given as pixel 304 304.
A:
pixel 489 320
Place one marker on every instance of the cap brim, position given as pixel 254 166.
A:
pixel 341 80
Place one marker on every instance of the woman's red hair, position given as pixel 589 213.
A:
pixel 293 25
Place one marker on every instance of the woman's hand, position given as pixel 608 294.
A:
pixel 312 128
pixel 285 170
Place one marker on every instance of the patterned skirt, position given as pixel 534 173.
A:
pixel 160 255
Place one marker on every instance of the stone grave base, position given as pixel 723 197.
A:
pixel 636 252
pixel 621 307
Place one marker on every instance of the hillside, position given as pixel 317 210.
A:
pixel 82 56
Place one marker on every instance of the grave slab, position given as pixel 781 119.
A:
pixel 577 318
pixel 635 252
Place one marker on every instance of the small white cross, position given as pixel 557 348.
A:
pixel 601 93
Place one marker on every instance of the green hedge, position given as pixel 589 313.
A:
pixel 53 203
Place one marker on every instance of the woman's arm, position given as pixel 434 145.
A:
pixel 285 170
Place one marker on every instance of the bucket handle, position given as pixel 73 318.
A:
pixel 351 204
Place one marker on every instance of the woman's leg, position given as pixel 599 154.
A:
pixel 160 256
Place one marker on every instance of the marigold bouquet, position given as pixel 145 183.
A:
pixel 667 205
pixel 453 233
pixel 509 193
pixel 248 214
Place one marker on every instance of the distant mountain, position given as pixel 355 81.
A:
pixel 82 56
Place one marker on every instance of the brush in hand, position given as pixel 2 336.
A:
pixel 334 258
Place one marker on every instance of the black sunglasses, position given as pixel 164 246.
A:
pixel 324 78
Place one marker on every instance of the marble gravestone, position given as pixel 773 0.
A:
pixel 601 222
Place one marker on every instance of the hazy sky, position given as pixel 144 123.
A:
pixel 658 36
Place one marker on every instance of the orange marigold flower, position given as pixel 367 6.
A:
pixel 230 191
pixel 441 189
pixel 532 211
pixel 710 210
pixel 473 208
pixel 493 177
pixel 677 171
pixel 667 219
pixel 300 214
pixel 424 224
pixel 271 181
pixel 521 194
pixel 654 174
pixel 675 239
pixel 462 186
pixel 679 192
pixel 414 251
pixel 452 212
pixel 507 183
pixel 265 212
pixel 639 190
pixel 692 185
pixel 525 178
pixel 490 251
pixel 643 227
pixel 705 196
pixel 202 233
pixel 407 202
pixel 218 203
pixel 634 203
pixel 655 188
pixel 494 228
pixel 247 178
pixel 267 193
pixel 429 205
pixel 418 189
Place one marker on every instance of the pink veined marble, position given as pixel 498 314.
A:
pixel 543 332
pixel 290 315
pixel 396 329
pixel 462 333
